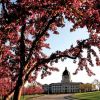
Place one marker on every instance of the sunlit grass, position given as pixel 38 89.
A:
pixel 88 96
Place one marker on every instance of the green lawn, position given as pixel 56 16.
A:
pixel 26 97
pixel 88 96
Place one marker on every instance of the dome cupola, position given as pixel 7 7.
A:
pixel 65 72
pixel 65 76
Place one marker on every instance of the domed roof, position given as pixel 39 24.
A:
pixel 65 72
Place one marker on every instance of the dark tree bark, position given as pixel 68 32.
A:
pixel 17 93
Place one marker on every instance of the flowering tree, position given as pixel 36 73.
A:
pixel 5 86
pixel 33 89
pixel 97 83
pixel 25 27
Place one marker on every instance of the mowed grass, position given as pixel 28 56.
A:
pixel 88 96
pixel 26 97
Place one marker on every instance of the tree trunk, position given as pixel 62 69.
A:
pixel 18 89
pixel 8 97
pixel 17 93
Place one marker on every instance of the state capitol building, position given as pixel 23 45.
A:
pixel 65 86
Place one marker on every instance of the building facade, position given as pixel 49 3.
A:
pixel 65 86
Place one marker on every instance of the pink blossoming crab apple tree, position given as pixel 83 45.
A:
pixel 24 29
pixel 35 88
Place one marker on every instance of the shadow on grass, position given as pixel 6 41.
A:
pixel 70 98
pixel 83 99
pixel 74 98
pixel 79 98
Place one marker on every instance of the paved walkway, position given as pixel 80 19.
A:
pixel 54 97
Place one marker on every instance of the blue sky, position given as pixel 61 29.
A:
pixel 61 42
pixel 66 38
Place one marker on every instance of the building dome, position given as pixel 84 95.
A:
pixel 65 76
pixel 65 72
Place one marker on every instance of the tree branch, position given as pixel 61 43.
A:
pixel 56 55
pixel 22 46
pixel 38 37
pixel 4 9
